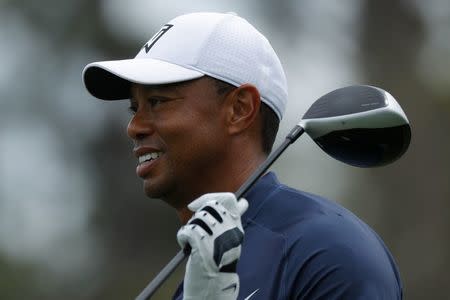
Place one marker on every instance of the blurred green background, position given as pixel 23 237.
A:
pixel 74 223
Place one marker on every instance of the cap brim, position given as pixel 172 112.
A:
pixel 111 80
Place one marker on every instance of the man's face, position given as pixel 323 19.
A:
pixel 179 135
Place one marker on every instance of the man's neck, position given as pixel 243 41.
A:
pixel 228 180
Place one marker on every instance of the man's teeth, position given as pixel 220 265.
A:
pixel 149 156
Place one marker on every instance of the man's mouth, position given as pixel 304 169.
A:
pixel 149 157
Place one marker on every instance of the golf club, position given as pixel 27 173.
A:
pixel 360 125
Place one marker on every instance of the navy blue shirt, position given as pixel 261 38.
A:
pixel 301 246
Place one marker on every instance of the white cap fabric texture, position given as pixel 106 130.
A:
pixel 223 46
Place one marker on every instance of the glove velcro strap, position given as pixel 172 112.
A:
pixel 226 241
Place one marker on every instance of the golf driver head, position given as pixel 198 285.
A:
pixel 360 125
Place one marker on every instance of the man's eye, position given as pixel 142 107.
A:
pixel 132 110
pixel 155 101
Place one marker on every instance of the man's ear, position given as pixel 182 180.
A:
pixel 243 108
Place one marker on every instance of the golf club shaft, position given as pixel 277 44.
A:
pixel 153 286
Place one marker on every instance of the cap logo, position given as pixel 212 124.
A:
pixel 156 37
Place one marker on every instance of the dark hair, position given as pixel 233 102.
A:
pixel 270 121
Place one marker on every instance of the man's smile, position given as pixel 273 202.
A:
pixel 147 157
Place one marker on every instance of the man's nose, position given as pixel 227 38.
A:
pixel 139 127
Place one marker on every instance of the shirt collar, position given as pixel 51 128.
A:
pixel 258 194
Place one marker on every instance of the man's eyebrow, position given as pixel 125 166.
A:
pixel 151 88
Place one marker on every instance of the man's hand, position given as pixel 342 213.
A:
pixel 214 234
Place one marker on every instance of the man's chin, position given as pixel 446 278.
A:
pixel 163 194
pixel 156 191
pixel 152 191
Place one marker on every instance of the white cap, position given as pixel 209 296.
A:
pixel 223 46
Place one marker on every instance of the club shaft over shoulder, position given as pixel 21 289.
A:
pixel 153 286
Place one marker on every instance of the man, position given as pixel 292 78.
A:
pixel 207 93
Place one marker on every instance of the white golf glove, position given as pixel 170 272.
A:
pixel 215 235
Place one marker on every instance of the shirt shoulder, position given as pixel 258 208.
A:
pixel 334 256
pixel 327 250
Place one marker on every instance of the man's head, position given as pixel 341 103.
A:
pixel 195 136
pixel 213 79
